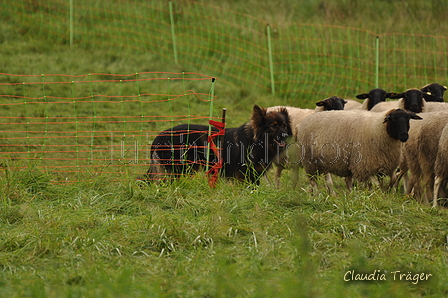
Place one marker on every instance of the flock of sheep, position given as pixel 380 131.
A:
pixel 405 139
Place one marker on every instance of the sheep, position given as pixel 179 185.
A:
pixel 352 144
pixel 412 100
pixel 419 154
pixel 370 99
pixel 297 115
pixel 435 106
pixel 435 91
pixel 352 105
pixel 441 165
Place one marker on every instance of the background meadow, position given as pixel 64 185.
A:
pixel 82 99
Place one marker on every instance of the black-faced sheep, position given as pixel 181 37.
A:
pixel 353 144
pixel 371 98
pixel 412 100
pixel 296 116
pixel 419 154
pixel 435 92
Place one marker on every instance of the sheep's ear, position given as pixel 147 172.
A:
pixel 344 102
pixel 444 88
pixel 389 94
pixel 362 96
pixel 320 103
pixel 387 118
pixel 416 117
pixel 397 95
pixel 427 96
pixel 424 88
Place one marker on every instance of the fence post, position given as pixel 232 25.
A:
pixel 377 60
pixel 71 23
pixel 212 94
pixel 173 35
pixel 271 64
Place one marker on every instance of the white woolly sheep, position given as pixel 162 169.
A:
pixel 296 115
pixel 419 154
pixel 352 105
pixel 371 98
pixel 436 106
pixel 441 165
pixel 412 100
pixel 353 144
pixel 435 92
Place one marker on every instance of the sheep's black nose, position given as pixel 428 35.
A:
pixel 414 108
pixel 404 136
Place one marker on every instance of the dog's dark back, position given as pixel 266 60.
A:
pixel 247 150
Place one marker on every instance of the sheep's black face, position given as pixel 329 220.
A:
pixel 397 124
pixel 376 96
pixel 332 103
pixel 413 100
pixel 434 92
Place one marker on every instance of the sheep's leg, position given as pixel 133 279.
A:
pixel 393 178
pixel 373 180
pixel 329 183
pixel 349 182
pixel 429 186
pixel 380 181
pixel 437 183
pixel 278 173
pixel 415 185
pixel 313 183
pixel 295 176
pixel 406 183
pixel 398 176
pixel 409 184
pixel 442 193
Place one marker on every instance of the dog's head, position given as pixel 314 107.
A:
pixel 274 126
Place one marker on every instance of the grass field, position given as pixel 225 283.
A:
pixel 108 235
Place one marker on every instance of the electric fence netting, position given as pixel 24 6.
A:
pixel 68 126
pixel 305 62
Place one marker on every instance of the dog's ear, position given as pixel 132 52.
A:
pixel 258 115
pixel 260 111
pixel 284 112
pixel 258 120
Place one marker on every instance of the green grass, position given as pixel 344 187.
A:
pixel 104 239
pixel 107 235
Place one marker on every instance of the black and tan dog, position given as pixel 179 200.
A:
pixel 247 151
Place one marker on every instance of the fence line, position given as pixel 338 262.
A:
pixel 305 61
pixel 81 133
pixel 72 126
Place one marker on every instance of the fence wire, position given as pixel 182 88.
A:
pixel 292 60
pixel 69 126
